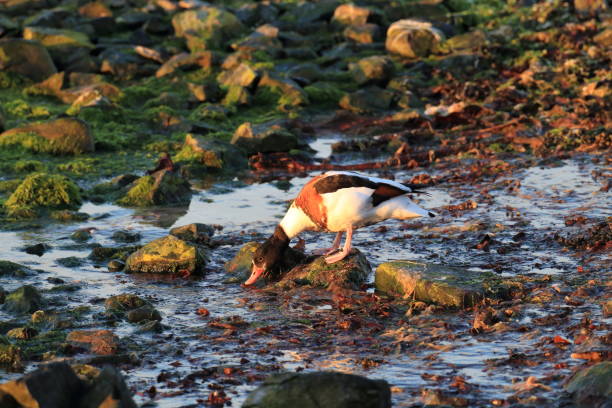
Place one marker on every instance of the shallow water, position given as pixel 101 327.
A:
pixel 189 344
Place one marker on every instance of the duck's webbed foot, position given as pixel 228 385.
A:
pixel 332 249
pixel 345 250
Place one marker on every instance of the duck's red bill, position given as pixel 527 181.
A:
pixel 255 274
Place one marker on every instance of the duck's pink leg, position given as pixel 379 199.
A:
pixel 345 251
pixel 335 245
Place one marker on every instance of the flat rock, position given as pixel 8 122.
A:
pixel 320 389
pixel 168 255
pixel 433 283
pixel 102 342
pixel 592 386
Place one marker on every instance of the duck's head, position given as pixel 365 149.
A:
pixel 268 256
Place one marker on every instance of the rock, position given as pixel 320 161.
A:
pixel 207 92
pixel 604 38
pixel 266 137
pixel 106 253
pixel 290 93
pixel 28 58
pixel 349 273
pixel 149 326
pixel 474 40
pixel 125 236
pixel 25 299
pixel 590 7
pixel 10 357
pixel 95 9
pixel 115 265
pixel 439 284
pixel 102 342
pixel 208 26
pixel 606 307
pixel 242 75
pixel 43 191
pixel 168 255
pixel 211 153
pixel 12 269
pixel 196 232
pixel 237 96
pixel 108 389
pixel 186 61
pixel 59 136
pixel 82 234
pixel 365 100
pixel 119 305
pixel 22 333
pixel 37 249
pixel 412 38
pixel 305 73
pixel 363 34
pixel 261 41
pixel 350 14
pixel 324 389
pixel 592 386
pixel 70 262
pixel 143 313
pixel 51 385
pixel 63 45
pixel 376 69
pixel 324 92
pixel 163 187
pixel 67 215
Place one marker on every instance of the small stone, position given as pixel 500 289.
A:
pixel 376 69
pixel 115 265
pixel 196 232
pixel 210 154
pixel 120 304
pixel 242 75
pixel 146 312
pixel 265 138
pixel 37 249
pixel 125 236
pixel 366 100
pixel 350 14
pixel 82 235
pixel 22 333
pixel 168 255
pixel 363 34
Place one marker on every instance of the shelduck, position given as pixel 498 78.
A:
pixel 336 201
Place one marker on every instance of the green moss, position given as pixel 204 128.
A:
pixel 23 110
pixel 9 185
pixel 138 195
pixel 28 166
pixel 30 141
pixel 324 93
pixel 12 80
pixel 41 190
pixel 10 356
pixel 80 166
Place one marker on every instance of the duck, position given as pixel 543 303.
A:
pixel 340 202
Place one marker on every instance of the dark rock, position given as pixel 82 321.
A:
pixel 70 262
pixel 376 69
pixel 37 249
pixel 51 385
pixel 365 100
pixel 26 299
pixel 264 40
pixel 237 96
pixel 320 389
pixel 103 342
pixel 163 187
pixel 440 284
pixel 106 253
pixel 290 93
pixel 12 269
pixel 22 333
pixel 82 234
pixel 63 45
pixel 210 154
pixel 207 27
pixel 196 232
pixel 118 305
pixel 305 73
pixel 115 265
pixel 108 389
pixel 267 137
pixel 168 255
pixel 146 312
pixel 207 92
pixel 28 58
pixel 125 236
pixel 186 61
pixel 592 386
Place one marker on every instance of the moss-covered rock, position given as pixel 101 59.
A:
pixel 12 269
pixel 119 305
pixel 377 69
pixel 290 94
pixel 43 191
pixel 324 92
pixel 125 237
pixel 63 45
pixel 242 75
pixel 10 357
pixel 60 136
pixel 237 96
pixel 163 187
pixel 367 100
pixel 168 255
pixel 196 232
pixel 363 34
pixel 592 386
pixel 324 389
pixel 412 38
pixel 207 27
pixel 267 137
pixel 28 58
pixel 106 253
pixel 350 273
pixel 240 265
pixel 22 333
pixel 211 153
pixel 143 313
pixel 25 299
pixel 440 284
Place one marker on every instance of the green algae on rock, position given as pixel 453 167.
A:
pixel 28 58
pixel 267 137
pixel 10 357
pixel 440 284
pixel 163 187
pixel 207 27
pixel 59 136
pixel 168 255
pixel 43 191
pixel 210 153
pixel 25 299
pixel 592 386
pixel 8 268
pixel 120 304
pixel 377 69
pixel 366 100
pixel 323 389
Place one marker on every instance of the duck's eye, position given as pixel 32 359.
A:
pixel 259 259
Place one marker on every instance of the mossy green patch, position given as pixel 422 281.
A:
pixel 168 255
pixel 161 188
pixel 28 166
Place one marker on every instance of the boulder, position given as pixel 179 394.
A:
pixel 377 69
pixel 210 153
pixel 43 191
pixel 25 299
pixel 439 284
pixel 168 255
pixel 196 232
pixel 164 187
pixel 363 33
pixel 102 342
pixel 108 389
pixel 366 100
pixel 413 38
pixel 59 136
pixel 242 75
pixel 186 61
pixel 592 386
pixel 51 385
pixel 349 273
pixel 350 14
pixel 12 269
pixel 320 389
pixel 267 137
pixel 207 26
pixel 289 93
pixel 28 58
pixel 64 46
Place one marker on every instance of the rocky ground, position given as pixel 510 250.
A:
pixel 147 146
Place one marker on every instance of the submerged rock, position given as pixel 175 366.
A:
pixel 102 342
pixel 440 284
pixel 163 187
pixel 26 299
pixel 168 255
pixel 119 305
pixel 115 265
pixel 37 249
pixel 12 269
pixel 412 38
pixel 59 136
pixel 320 389
pixel 28 58
pixel 196 232
pixel 592 386
pixel 350 273
pixel 125 236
